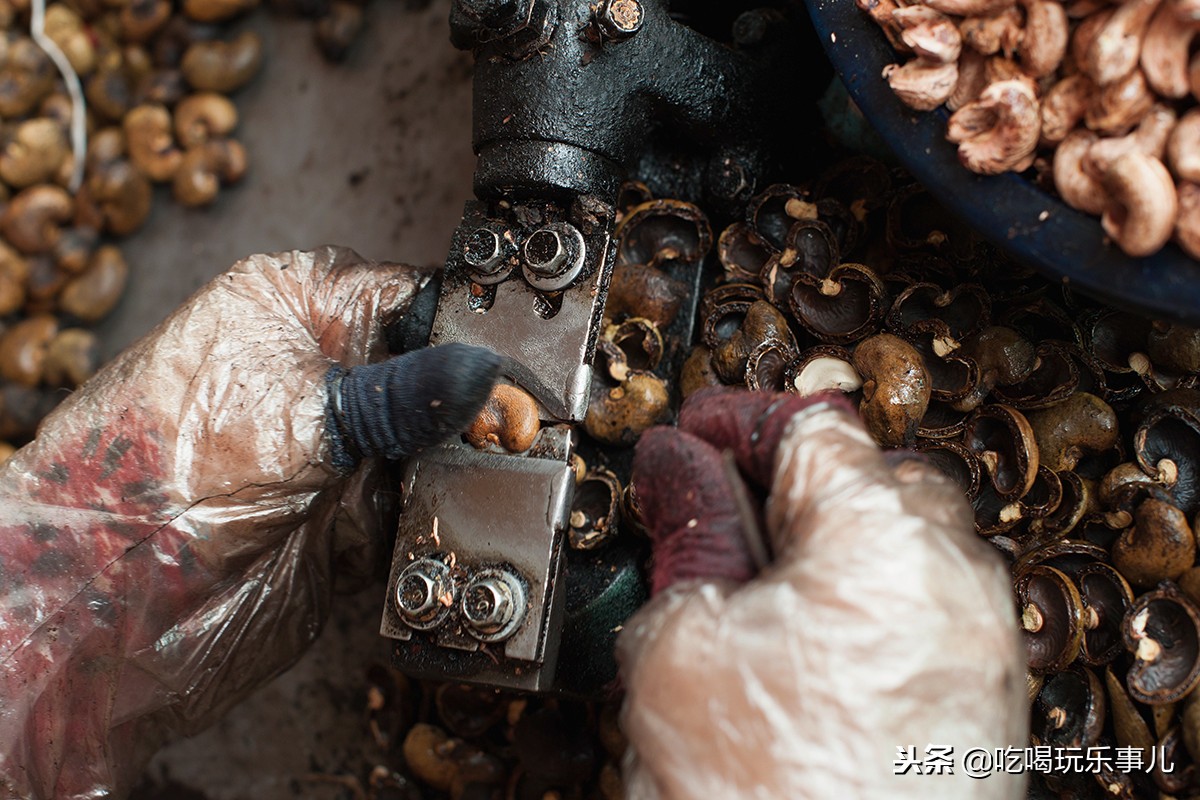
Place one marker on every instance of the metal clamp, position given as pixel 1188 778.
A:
pixel 496 523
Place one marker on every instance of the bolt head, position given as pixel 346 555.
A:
pixel 621 19
pixel 545 252
pixel 415 595
pixel 488 605
pixel 420 591
pixel 482 249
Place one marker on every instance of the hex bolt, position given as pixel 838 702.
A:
pixel 554 256
pixel 493 604
pixel 483 251
pixel 545 252
pixel 488 605
pixel 424 593
pixel 620 19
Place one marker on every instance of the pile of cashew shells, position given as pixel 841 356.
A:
pixel 1099 97
pixel 154 78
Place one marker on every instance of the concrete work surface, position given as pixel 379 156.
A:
pixel 374 154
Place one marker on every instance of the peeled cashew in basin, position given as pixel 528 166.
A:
pixel 999 131
pixel 1165 51
pixel 922 84
pixel 1064 105
pixel 1045 39
pixel 927 81
pixel 1149 137
pixel 1115 50
pixel 1187 225
pixel 1183 148
pixel 1140 215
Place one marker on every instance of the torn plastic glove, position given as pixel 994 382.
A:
pixel 169 541
pixel 883 622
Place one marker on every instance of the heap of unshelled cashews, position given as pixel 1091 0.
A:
pixel 1106 90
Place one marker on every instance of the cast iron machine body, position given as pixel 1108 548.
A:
pixel 566 97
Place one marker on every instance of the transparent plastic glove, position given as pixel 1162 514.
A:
pixel 168 542
pixel 882 622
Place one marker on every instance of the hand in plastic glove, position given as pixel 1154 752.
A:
pixel 168 540
pixel 883 621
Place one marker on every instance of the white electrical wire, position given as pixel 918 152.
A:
pixel 78 106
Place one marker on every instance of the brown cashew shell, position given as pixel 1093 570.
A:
pixel 1159 546
pixel 896 388
pixel 222 66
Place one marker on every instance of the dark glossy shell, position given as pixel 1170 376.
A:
pixel 1059 609
pixel 965 309
pixel 660 231
pixel 1005 432
pixel 1170 619
pixel 843 308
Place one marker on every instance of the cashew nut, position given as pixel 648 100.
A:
pixel 972 79
pixel 969 8
pixel 1044 42
pixel 1149 137
pixel 34 153
pixel 205 168
pixel 1064 106
pixel 1114 52
pixel 928 80
pixel 1079 189
pixel 151 145
pixel 1183 148
pixel 1119 106
pixel 1140 215
pixel 204 116
pixel 999 131
pixel 931 35
pixel 1187 225
pixel 1165 51
pixel 922 84
pixel 993 33
pixel 32 219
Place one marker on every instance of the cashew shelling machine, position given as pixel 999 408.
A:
pixel 570 98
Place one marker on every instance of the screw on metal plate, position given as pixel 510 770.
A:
pixel 487 252
pixel 554 256
pixel 493 604
pixel 424 593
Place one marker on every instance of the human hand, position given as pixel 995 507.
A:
pixel 169 540
pixel 882 622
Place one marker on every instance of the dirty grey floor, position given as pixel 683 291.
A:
pixel 374 154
